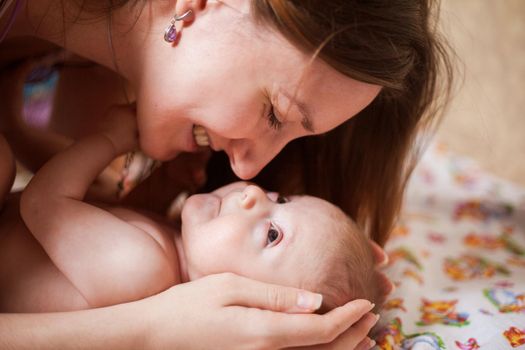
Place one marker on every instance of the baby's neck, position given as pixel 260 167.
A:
pixel 183 268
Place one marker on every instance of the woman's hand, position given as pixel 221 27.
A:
pixel 354 338
pixel 227 311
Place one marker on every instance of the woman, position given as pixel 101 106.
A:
pixel 248 78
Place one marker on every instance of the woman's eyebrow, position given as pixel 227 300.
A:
pixel 303 108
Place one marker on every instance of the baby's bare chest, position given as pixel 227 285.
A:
pixel 30 280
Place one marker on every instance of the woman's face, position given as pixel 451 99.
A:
pixel 249 89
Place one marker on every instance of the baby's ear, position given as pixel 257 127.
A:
pixel 384 286
pixel 379 254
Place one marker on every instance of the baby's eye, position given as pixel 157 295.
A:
pixel 274 235
pixel 282 199
pixel 277 198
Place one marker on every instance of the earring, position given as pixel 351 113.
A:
pixel 170 33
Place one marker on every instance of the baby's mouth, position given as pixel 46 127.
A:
pixel 201 136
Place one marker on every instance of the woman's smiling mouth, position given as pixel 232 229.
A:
pixel 201 136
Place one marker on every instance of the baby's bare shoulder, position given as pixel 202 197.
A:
pixel 154 226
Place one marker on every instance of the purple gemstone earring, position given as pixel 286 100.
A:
pixel 170 33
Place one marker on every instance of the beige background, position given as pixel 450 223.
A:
pixel 486 120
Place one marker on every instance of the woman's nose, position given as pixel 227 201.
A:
pixel 247 158
pixel 252 196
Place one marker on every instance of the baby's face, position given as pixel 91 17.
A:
pixel 241 228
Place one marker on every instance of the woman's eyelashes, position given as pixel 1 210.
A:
pixel 274 235
pixel 273 121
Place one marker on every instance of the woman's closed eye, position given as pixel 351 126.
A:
pixel 273 121
pixel 274 235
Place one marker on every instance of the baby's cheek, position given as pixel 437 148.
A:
pixel 202 261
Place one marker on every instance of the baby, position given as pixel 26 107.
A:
pixel 58 252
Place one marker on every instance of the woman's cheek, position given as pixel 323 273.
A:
pixel 153 146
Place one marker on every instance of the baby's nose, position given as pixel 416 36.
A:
pixel 251 196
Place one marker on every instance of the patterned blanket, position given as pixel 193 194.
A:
pixel 457 258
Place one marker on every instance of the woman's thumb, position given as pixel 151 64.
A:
pixel 251 293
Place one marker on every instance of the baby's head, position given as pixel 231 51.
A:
pixel 299 241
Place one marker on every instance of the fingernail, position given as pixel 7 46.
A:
pixel 309 301
pixel 385 261
pixel 377 317
pixel 372 305
pixel 371 344
pixel 393 288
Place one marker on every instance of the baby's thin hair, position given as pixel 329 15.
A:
pixel 348 271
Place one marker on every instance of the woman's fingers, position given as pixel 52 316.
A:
pixel 355 337
pixel 251 293
pixel 240 313
pixel 283 329
pixel 365 344
pixel 289 330
pixel 345 326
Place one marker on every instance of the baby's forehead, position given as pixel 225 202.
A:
pixel 320 223
pixel 317 208
pixel 324 236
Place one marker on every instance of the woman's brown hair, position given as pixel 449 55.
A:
pixel 363 165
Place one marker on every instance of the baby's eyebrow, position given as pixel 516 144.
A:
pixel 278 195
pixel 286 199
pixel 292 226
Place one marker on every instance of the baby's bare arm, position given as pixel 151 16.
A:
pixel 7 170
pixel 107 259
